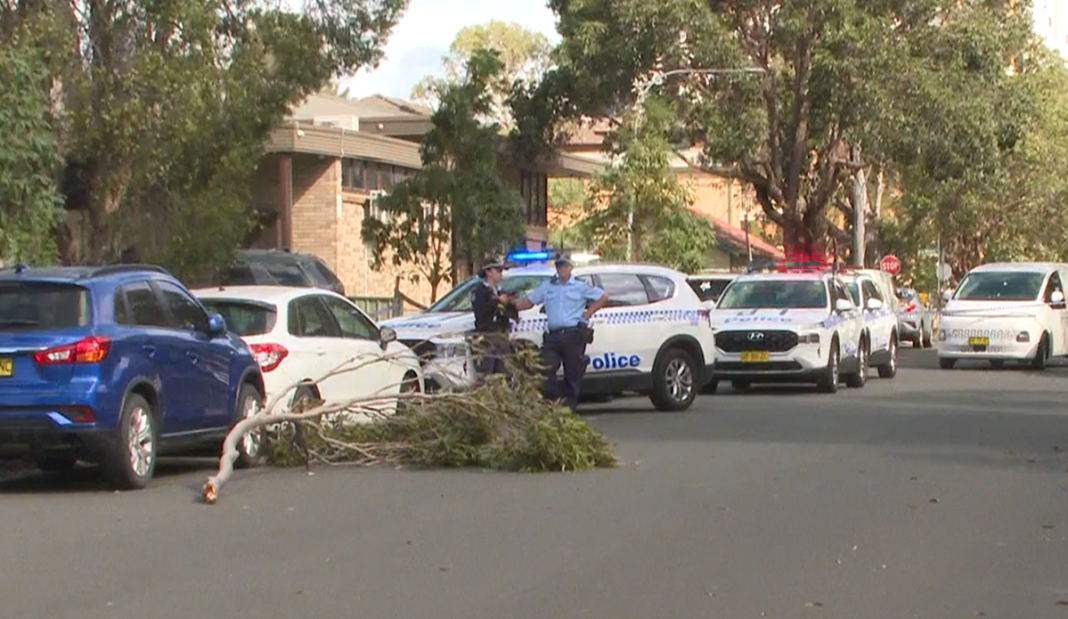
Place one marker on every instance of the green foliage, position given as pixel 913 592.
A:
pixel 164 122
pixel 458 194
pixel 30 203
pixel 644 184
pixel 503 425
pixel 524 55
pixel 837 74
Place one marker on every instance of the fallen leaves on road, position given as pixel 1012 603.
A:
pixel 933 501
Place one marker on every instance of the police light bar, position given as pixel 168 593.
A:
pixel 530 256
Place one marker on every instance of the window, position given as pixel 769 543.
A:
pixel 708 289
pixel 145 308
pixel 353 174
pixel 660 288
pixel 353 324
pixel 308 317
pixel 363 175
pixel 1000 286
pixel 624 289
pixel 1053 286
pixel 38 306
pixel 122 314
pixel 870 291
pixel 244 317
pixel 325 272
pixel 854 292
pixel 185 312
pixel 459 299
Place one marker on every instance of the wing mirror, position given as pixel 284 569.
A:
pixel 1057 298
pixel 841 305
pixel 875 305
pixel 386 335
pixel 216 325
pixel 947 295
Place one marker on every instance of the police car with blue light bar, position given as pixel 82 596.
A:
pixel 790 327
pixel 653 337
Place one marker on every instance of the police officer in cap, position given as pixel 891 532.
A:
pixel 569 304
pixel 494 310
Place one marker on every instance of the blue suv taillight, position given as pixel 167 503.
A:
pixel 92 349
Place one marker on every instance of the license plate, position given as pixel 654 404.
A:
pixel 979 341
pixel 755 356
pixel 7 367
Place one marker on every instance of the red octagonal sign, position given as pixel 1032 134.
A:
pixel 891 264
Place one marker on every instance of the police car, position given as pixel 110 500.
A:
pixel 874 292
pixel 790 327
pixel 653 337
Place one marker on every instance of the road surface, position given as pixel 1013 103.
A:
pixel 938 494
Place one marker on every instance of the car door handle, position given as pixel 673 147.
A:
pixel 149 350
pixel 195 358
pixel 320 351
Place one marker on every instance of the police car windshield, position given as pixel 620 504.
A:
pixel 459 298
pixel 1001 286
pixel 774 294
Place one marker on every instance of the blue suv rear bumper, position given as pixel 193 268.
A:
pixel 83 420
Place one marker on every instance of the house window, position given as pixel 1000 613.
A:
pixel 534 190
pixel 363 175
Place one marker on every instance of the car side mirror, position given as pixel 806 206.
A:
pixel 875 305
pixel 947 295
pixel 1057 298
pixel 542 310
pixel 216 325
pixel 386 335
pixel 841 305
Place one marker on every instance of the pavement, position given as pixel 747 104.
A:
pixel 939 494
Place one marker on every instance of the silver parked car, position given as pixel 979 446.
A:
pixel 914 320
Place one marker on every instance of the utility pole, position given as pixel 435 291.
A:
pixel 860 208
pixel 639 106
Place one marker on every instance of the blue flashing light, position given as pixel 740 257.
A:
pixel 529 256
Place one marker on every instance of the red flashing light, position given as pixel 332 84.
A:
pixel 269 356
pixel 89 350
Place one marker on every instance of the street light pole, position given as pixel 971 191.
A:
pixel 639 105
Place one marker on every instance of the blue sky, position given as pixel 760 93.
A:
pixel 424 33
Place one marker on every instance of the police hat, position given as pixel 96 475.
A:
pixel 492 265
pixel 563 261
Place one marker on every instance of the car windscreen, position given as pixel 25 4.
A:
pixel 774 294
pixel 708 289
pixel 43 306
pixel 243 317
pixel 459 298
pixel 1000 286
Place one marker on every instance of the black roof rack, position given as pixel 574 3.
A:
pixel 113 269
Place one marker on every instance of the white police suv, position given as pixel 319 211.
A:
pixel 873 291
pixel 790 327
pixel 652 338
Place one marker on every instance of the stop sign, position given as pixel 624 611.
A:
pixel 891 264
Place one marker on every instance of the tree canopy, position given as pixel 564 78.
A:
pixel 833 75
pixel 163 109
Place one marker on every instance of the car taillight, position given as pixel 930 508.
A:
pixel 269 356
pixel 910 307
pixel 89 350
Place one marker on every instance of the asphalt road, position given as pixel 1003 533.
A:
pixel 938 494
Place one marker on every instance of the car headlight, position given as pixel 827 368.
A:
pixel 450 350
pixel 808 338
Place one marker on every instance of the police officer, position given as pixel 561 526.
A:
pixel 494 310
pixel 569 304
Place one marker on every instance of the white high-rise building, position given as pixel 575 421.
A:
pixel 1051 23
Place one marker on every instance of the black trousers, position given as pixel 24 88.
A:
pixel 491 353
pixel 567 347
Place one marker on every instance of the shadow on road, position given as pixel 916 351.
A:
pixel 87 478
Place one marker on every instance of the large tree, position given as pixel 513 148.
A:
pixel 30 202
pixel 836 74
pixel 524 55
pixel 456 211
pixel 164 107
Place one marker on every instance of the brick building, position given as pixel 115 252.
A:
pixel 333 154
pixel 724 202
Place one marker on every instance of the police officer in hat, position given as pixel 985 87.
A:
pixel 494 312
pixel 569 304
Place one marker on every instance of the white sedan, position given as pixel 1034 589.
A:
pixel 300 335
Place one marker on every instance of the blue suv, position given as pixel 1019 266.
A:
pixel 118 365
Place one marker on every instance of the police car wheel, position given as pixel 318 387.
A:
pixel 1041 355
pixel 889 369
pixel 858 380
pixel 829 381
pixel 674 381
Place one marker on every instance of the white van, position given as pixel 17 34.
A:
pixel 1006 311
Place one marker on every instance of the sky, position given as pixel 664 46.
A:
pixel 426 30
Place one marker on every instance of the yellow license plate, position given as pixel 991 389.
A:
pixel 7 367
pixel 755 356
pixel 979 341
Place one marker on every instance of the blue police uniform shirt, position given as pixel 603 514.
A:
pixel 564 303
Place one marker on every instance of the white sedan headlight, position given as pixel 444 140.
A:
pixel 808 338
